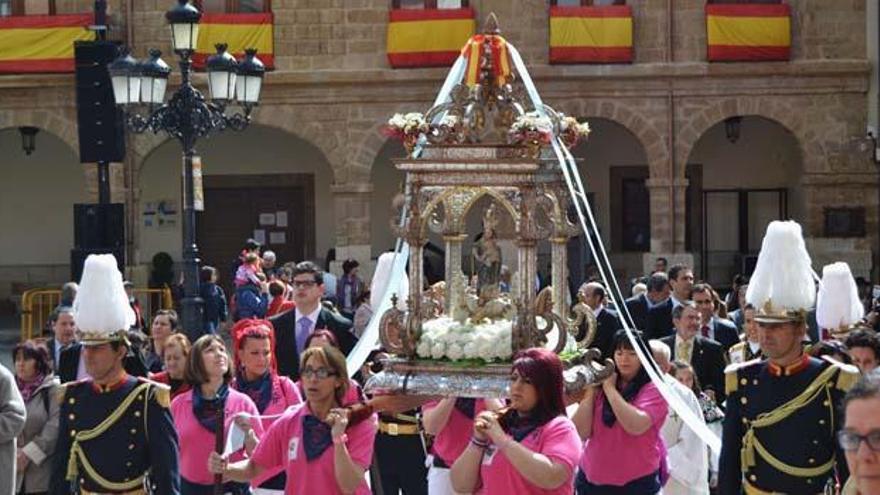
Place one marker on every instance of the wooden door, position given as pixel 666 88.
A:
pixel 277 209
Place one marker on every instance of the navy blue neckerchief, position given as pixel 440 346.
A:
pixel 629 393
pixel 316 437
pixel 519 427
pixel 466 406
pixel 259 390
pixel 205 410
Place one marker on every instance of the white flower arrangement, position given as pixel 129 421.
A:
pixel 570 123
pixel 409 123
pixel 532 121
pixel 443 337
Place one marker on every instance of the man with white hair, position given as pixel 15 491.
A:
pixel 269 260
pixel 686 452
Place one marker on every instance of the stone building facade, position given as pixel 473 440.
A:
pixel 333 89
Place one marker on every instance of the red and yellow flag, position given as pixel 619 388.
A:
pixel 743 32
pixel 41 43
pixel 428 37
pixel 239 32
pixel 500 58
pixel 591 34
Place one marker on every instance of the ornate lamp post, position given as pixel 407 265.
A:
pixel 187 116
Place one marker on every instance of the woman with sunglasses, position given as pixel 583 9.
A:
pixel 313 441
pixel 257 377
pixel 196 413
pixel 531 447
pixel 860 436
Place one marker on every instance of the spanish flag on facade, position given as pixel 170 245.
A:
pixel 745 32
pixel 428 37
pixel 591 34
pixel 41 43
pixel 239 32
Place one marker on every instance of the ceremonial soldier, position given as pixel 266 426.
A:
pixel 783 413
pixel 749 347
pixel 115 434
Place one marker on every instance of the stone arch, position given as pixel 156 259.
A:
pixel 330 144
pixel 634 120
pixel 368 141
pixel 61 124
pixel 696 125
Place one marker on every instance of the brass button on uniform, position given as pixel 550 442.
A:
pixel 72 432
pixel 134 431
pixel 71 416
pixel 744 381
pixel 743 400
pixel 755 381
pixel 821 421
pixel 753 478
pixel 137 414
pixel 71 400
pixel 811 460
pixel 131 446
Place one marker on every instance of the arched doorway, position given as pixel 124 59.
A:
pixel 38 192
pixel 263 183
pixel 614 167
pixel 750 168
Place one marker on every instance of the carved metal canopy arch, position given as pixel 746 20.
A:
pixel 456 203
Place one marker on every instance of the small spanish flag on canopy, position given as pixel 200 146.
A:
pixel 602 34
pixel 746 32
pixel 428 37
pixel 41 43
pixel 239 32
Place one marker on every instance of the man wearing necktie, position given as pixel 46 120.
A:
pixel 718 329
pixel 293 327
pixel 705 355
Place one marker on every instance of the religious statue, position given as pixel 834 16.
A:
pixel 487 256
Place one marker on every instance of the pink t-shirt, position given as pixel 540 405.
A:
pixel 284 395
pixel 197 443
pixel 454 437
pixel 282 445
pixel 557 439
pixel 607 446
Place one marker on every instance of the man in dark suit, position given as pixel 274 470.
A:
pixel 606 319
pixel 64 333
pixel 659 321
pixel 705 355
pixel 713 327
pixel 293 327
pixel 658 293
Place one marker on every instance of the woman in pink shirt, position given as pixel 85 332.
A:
pixel 530 448
pixel 195 415
pixel 622 421
pixel 319 449
pixel 256 376
pixel 450 421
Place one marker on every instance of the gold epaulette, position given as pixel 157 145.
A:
pixel 731 374
pixel 847 376
pixel 160 391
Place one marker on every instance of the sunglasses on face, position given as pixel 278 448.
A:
pixel 850 440
pixel 319 373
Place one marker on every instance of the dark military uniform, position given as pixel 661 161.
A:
pixel 780 427
pixel 400 456
pixel 111 438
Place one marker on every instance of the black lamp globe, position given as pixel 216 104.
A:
pixel 250 78
pixel 124 74
pixel 184 21
pixel 222 74
pixel 154 78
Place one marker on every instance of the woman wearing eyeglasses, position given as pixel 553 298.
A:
pixel 320 451
pixel 532 447
pixel 196 413
pixel 860 436
pixel 257 377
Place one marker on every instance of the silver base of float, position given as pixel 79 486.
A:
pixel 430 378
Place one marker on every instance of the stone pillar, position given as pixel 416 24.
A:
pixel 660 192
pixel 679 225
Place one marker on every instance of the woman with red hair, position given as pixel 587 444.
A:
pixel 257 377
pixel 531 447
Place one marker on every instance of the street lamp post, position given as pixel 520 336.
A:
pixel 188 117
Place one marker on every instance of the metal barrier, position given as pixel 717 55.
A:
pixel 37 306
